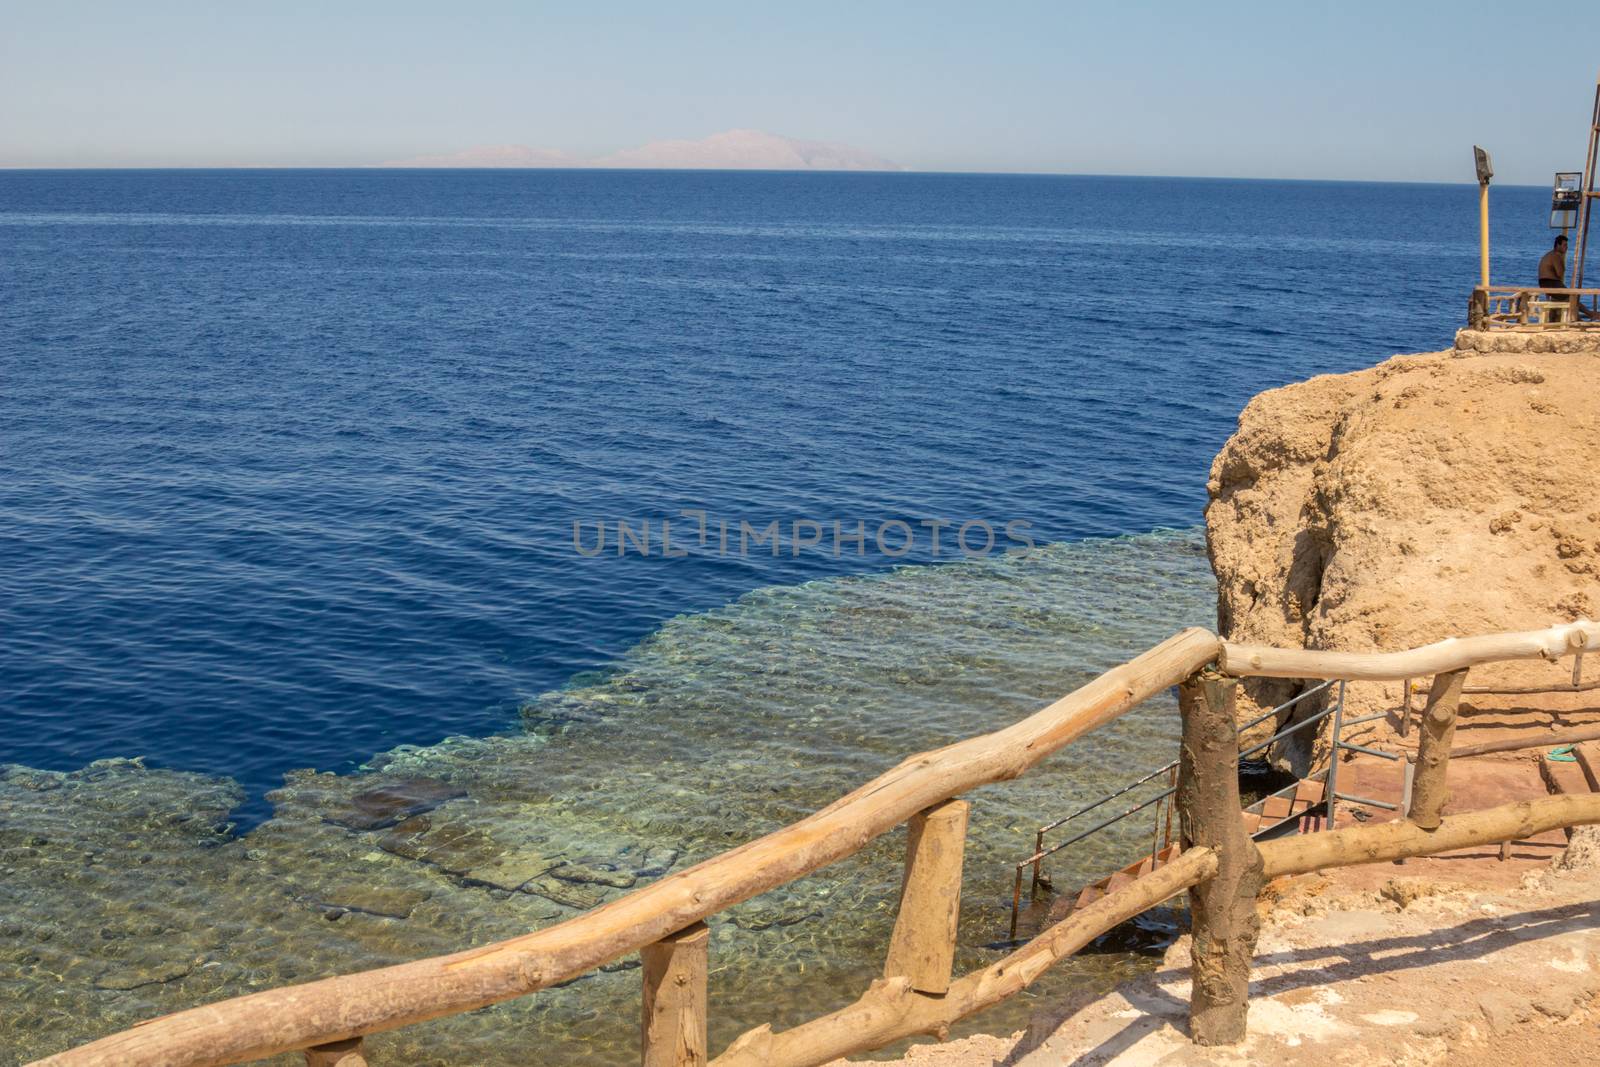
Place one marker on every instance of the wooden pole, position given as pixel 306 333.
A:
pixel 923 945
pixel 1399 839
pixel 337 1054
pixel 1543 740
pixel 1452 654
pixel 1483 233
pixel 674 1022
pixel 1224 906
pixel 1429 791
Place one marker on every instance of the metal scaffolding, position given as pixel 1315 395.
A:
pixel 1590 195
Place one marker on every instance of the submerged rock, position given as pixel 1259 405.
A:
pixel 656 861
pixel 765 916
pixel 384 901
pixel 510 871
pixel 596 875
pixel 393 802
pixel 452 845
pixel 573 896
pixel 453 841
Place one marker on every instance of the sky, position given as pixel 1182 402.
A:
pixel 1354 90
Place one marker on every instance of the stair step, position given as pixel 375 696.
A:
pixel 1311 792
pixel 1118 880
pixel 1090 894
pixel 1275 808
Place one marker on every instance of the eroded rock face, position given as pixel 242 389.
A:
pixel 1431 496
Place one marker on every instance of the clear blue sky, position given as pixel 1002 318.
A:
pixel 1395 90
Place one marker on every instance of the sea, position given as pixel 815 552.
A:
pixel 632 513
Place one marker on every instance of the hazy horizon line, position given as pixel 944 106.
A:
pixel 901 172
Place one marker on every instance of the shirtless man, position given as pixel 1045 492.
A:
pixel 1553 275
pixel 1553 267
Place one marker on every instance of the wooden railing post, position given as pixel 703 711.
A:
pixel 1429 791
pixel 923 945
pixel 1223 907
pixel 673 1031
pixel 337 1054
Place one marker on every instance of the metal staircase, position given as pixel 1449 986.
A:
pixel 1295 802
pixel 1306 805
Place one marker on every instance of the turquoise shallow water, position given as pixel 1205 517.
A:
pixel 126 893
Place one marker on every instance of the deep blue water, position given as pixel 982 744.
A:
pixel 291 460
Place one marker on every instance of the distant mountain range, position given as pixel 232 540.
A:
pixel 731 150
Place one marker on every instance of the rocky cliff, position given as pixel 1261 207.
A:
pixel 1431 496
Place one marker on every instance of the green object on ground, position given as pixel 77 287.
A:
pixel 1561 754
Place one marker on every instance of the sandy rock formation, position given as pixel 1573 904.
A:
pixel 1431 496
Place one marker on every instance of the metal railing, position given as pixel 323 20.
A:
pixel 1163 800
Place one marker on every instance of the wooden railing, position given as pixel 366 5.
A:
pixel 1528 307
pixel 1220 866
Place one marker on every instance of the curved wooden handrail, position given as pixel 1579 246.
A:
pixel 1517 821
pixel 1451 654
pixel 296 1017
pixel 317 1013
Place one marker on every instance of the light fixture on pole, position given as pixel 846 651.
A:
pixel 1566 196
